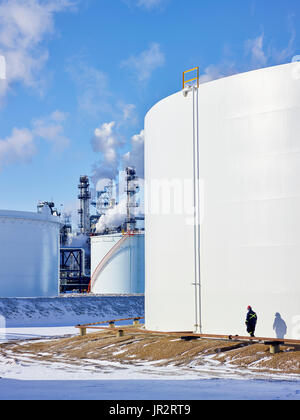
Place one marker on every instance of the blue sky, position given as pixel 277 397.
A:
pixel 81 75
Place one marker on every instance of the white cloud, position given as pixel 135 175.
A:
pixel 2 68
pixel 58 116
pixel 135 157
pixel 150 4
pixel 147 4
pixel 262 54
pixel 255 49
pixel 104 141
pixel 285 53
pixel 21 144
pixel 52 130
pixel 24 26
pixel 145 63
pixel 94 96
pixel 257 54
pixel 18 147
pixel 214 72
pixel 129 112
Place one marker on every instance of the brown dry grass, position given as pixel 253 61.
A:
pixel 136 347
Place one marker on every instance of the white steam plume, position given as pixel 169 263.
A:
pixel 114 217
pixel 135 157
pixel 106 143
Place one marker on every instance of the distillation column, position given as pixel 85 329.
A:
pixel 131 190
pixel 84 210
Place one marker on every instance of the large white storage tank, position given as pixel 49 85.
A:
pixel 117 264
pixel 29 254
pixel 248 130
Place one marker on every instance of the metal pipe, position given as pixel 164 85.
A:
pixel 196 203
pixel 195 218
pixel 233 338
pixel 196 178
pixel 199 216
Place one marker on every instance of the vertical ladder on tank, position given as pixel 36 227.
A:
pixel 188 85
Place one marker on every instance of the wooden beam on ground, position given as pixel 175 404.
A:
pixel 140 329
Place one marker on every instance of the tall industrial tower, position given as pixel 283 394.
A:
pixel 104 199
pixel 131 190
pixel 84 210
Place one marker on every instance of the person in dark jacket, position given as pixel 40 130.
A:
pixel 251 321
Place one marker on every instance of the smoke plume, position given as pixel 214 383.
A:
pixel 113 218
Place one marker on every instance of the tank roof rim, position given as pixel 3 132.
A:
pixel 16 214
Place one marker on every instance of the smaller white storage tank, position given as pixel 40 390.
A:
pixel 29 254
pixel 117 264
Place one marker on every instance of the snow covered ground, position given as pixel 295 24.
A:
pixel 68 310
pixel 24 319
pixel 142 390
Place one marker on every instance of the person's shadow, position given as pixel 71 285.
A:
pixel 279 326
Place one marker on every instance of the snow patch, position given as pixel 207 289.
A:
pixel 68 310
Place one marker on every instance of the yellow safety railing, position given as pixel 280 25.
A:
pixel 193 79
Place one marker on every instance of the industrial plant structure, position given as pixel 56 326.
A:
pixel 117 253
pixel 109 260
pixel 41 254
pixel 75 246
pixel 84 196
pixel 29 253
pixel 230 149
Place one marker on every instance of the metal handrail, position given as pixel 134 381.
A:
pixel 191 80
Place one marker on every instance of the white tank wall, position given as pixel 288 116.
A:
pixel 29 254
pixel 168 240
pixel 125 272
pixel 249 129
